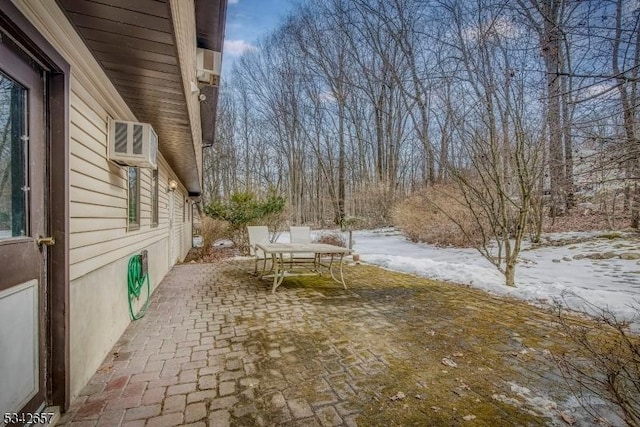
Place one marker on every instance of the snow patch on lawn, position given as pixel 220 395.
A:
pixel 544 274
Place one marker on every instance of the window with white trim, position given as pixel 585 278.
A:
pixel 154 198
pixel 133 202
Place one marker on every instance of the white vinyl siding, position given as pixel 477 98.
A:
pixel 98 195
pixel 98 191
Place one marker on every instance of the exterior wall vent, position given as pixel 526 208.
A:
pixel 209 64
pixel 132 144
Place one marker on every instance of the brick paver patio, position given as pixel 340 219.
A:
pixel 217 349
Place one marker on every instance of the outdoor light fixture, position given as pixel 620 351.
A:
pixel 173 184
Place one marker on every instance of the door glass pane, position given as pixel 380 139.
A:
pixel 13 181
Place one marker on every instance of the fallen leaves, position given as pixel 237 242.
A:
pixel 449 362
pixel 398 396
pixel 567 418
pixel 105 368
pixel 462 385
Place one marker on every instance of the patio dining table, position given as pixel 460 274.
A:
pixel 278 252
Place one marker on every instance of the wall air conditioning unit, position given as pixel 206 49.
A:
pixel 132 144
pixel 209 63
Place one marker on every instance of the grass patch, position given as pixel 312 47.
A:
pixel 610 236
pixel 390 332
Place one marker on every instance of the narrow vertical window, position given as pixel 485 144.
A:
pixel 13 176
pixel 134 198
pixel 154 198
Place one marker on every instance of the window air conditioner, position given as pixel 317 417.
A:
pixel 132 144
pixel 208 67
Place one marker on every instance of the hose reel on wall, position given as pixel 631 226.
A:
pixel 138 274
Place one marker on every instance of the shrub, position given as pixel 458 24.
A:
pixel 244 208
pixel 432 216
pixel 332 238
pixel 353 223
pixel 607 363
pixel 211 230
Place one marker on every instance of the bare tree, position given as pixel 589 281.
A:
pixel 547 17
pixel 323 45
pixel 501 154
pixel 627 81
pixel 351 105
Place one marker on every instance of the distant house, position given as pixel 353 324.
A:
pixel 70 216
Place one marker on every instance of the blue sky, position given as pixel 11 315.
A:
pixel 247 22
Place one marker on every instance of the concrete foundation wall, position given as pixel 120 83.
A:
pixel 100 311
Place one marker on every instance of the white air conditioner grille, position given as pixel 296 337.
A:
pixel 132 144
pixel 121 137
pixel 137 139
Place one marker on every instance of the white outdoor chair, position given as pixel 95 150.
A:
pixel 258 234
pixel 301 234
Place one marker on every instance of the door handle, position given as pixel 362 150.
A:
pixel 46 241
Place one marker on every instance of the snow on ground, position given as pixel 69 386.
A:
pixel 543 275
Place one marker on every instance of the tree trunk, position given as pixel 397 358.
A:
pixel 341 162
pixel 379 112
pixel 628 119
pixel 551 55
pixel 510 274
pixel 569 186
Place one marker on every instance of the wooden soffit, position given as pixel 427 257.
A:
pixel 136 44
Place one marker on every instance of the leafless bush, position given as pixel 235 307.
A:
pixel 211 230
pixel 606 364
pixel 332 238
pixel 431 216
pixel 373 204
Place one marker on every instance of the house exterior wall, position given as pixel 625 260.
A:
pixel 100 244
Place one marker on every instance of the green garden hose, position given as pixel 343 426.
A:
pixel 136 280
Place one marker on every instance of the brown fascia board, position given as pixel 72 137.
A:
pixel 210 25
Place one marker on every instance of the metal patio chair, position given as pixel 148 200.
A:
pixel 302 234
pixel 258 234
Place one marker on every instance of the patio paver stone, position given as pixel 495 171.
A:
pixel 216 348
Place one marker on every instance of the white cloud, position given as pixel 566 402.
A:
pixel 498 27
pixel 327 97
pixel 233 1
pixel 605 90
pixel 237 47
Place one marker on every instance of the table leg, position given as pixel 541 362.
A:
pixel 278 274
pixel 344 285
pixel 331 268
pixel 341 275
pixel 265 264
